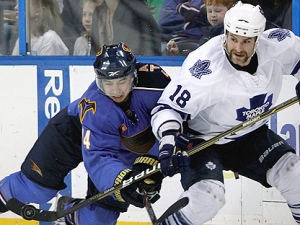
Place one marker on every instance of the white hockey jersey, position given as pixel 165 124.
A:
pixel 216 96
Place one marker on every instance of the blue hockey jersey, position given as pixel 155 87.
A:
pixel 111 138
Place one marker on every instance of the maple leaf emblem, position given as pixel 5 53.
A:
pixel 258 105
pixel 210 165
pixel 200 68
pixel 279 34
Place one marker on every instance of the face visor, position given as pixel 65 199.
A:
pixel 118 87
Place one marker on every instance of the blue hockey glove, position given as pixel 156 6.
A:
pixel 151 185
pixel 181 161
pixel 298 90
pixel 173 160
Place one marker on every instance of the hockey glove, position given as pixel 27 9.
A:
pixel 298 90
pixel 173 160
pixel 151 185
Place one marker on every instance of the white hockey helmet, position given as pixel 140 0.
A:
pixel 245 20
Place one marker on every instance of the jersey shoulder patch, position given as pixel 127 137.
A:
pixel 151 76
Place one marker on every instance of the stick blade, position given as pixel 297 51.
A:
pixel 29 212
pixel 181 203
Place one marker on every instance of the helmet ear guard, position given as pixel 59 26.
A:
pixel 245 20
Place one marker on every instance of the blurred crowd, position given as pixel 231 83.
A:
pixel 150 27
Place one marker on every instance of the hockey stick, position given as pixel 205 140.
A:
pixel 29 212
pixel 172 209
pixel 149 208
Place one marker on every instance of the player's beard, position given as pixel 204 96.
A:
pixel 239 58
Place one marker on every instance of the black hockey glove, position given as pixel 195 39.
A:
pixel 173 160
pixel 298 90
pixel 151 185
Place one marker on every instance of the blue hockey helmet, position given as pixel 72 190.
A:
pixel 114 61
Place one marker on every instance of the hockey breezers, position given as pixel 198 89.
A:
pixel 29 212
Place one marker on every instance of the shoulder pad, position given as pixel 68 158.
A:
pixel 151 76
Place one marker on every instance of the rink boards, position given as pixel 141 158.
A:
pixel 33 89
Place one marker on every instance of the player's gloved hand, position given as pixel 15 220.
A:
pixel 298 90
pixel 173 160
pixel 151 185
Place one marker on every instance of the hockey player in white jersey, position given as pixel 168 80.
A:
pixel 230 79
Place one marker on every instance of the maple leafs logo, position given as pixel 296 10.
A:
pixel 279 34
pixel 200 68
pixel 258 105
pixel 210 165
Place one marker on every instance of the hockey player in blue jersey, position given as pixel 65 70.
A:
pixel 231 78
pixel 109 129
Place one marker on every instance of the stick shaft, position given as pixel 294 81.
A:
pixel 149 209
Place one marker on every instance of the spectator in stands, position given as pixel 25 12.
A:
pixel 129 21
pixel 8 25
pixel 155 6
pixel 277 12
pixel 71 16
pixel 60 5
pixel 286 15
pixel 83 43
pixel 180 19
pixel 45 25
pixel 215 11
